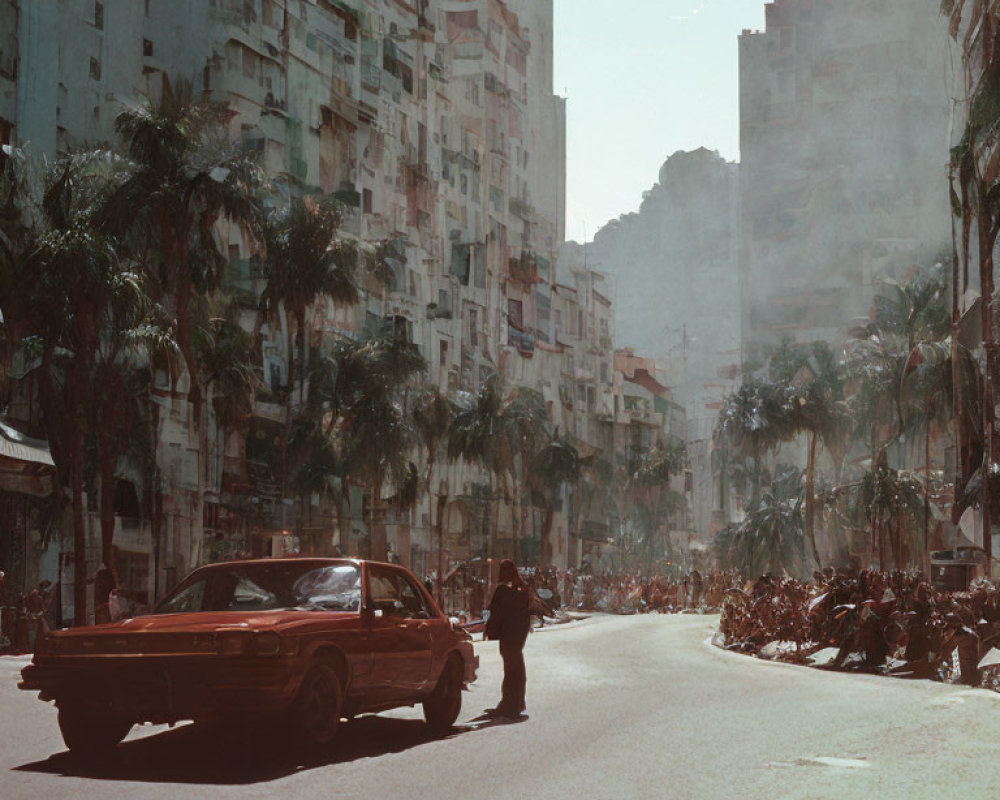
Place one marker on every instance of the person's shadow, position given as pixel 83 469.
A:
pixel 488 720
pixel 211 755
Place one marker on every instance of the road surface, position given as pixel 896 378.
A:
pixel 618 707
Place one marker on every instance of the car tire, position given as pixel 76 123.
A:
pixel 317 707
pixel 443 706
pixel 88 730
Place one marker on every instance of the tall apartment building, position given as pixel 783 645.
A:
pixel 434 122
pixel 975 26
pixel 844 126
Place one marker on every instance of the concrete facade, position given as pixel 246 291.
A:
pixel 844 126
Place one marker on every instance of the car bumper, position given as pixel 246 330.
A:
pixel 165 690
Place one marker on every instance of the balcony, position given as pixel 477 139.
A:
pixel 522 209
pixel 524 342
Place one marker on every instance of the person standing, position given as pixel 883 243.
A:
pixel 509 623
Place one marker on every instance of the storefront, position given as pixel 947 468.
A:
pixel 26 470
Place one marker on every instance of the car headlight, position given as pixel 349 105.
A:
pixel 230 644
pixel 266 644
pixel 247 643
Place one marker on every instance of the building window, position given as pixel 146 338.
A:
pixel 515 313
pixel 366 201
pixel 99 16
pixel 147 47
pixel 95 69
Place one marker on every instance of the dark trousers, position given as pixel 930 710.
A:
pixel 514 677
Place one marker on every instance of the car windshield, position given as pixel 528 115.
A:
pixel 309 586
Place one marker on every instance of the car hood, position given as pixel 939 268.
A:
pixel 215 622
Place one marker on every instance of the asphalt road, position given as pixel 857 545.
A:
pixel 619 707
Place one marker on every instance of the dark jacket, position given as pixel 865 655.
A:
pixel 509 619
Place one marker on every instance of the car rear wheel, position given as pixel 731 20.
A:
pixel 442 708
pixel 316 713
pixel 90 730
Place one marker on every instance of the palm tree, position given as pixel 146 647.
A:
pixel 555 464
pixel 432 415
pixel 21 184
pixel 890 501
pixel 499 431
pixel 304 265
pixel 904 349
pixel 131 333
pixel 927 377
pixel 816 408
pixel 367 398
pixel 650 485
pixel 755 420
pixel 184 178
pixel 77 284
pixel 770 539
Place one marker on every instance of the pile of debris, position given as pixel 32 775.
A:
pixel 879 622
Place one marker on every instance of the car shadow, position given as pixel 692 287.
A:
pixel 196 755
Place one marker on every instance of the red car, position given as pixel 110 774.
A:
pixel 309 639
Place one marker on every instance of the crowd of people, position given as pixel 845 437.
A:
pixel 554 591
pixel 24 617
pixel 636 593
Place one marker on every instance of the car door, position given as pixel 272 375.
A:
pixel 400 635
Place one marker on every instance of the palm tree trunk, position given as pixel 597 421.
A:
pixel 198 525
pixel 342 506
pixel 107 504
pixel 289 396
pixel 925 548
pixel 77 444
pixel 515 523
pixel 986 241
pixel 546 534
pixel 379 545
pixel 810 508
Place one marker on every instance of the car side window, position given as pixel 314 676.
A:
pixel 384 593
pixel 412 599
pixel 189 599
pixel 395 594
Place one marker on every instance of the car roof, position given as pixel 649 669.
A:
pixel 302 560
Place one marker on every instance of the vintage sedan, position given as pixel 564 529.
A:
pixel 307 640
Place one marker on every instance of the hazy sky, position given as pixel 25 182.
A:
pixel 643 79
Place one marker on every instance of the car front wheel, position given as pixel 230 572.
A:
pixel 442 708
pixel 316 713
pixel 90 730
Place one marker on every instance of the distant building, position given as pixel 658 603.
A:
pixel 677 294
pixel 844 125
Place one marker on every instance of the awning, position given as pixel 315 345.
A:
pixel 18 447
